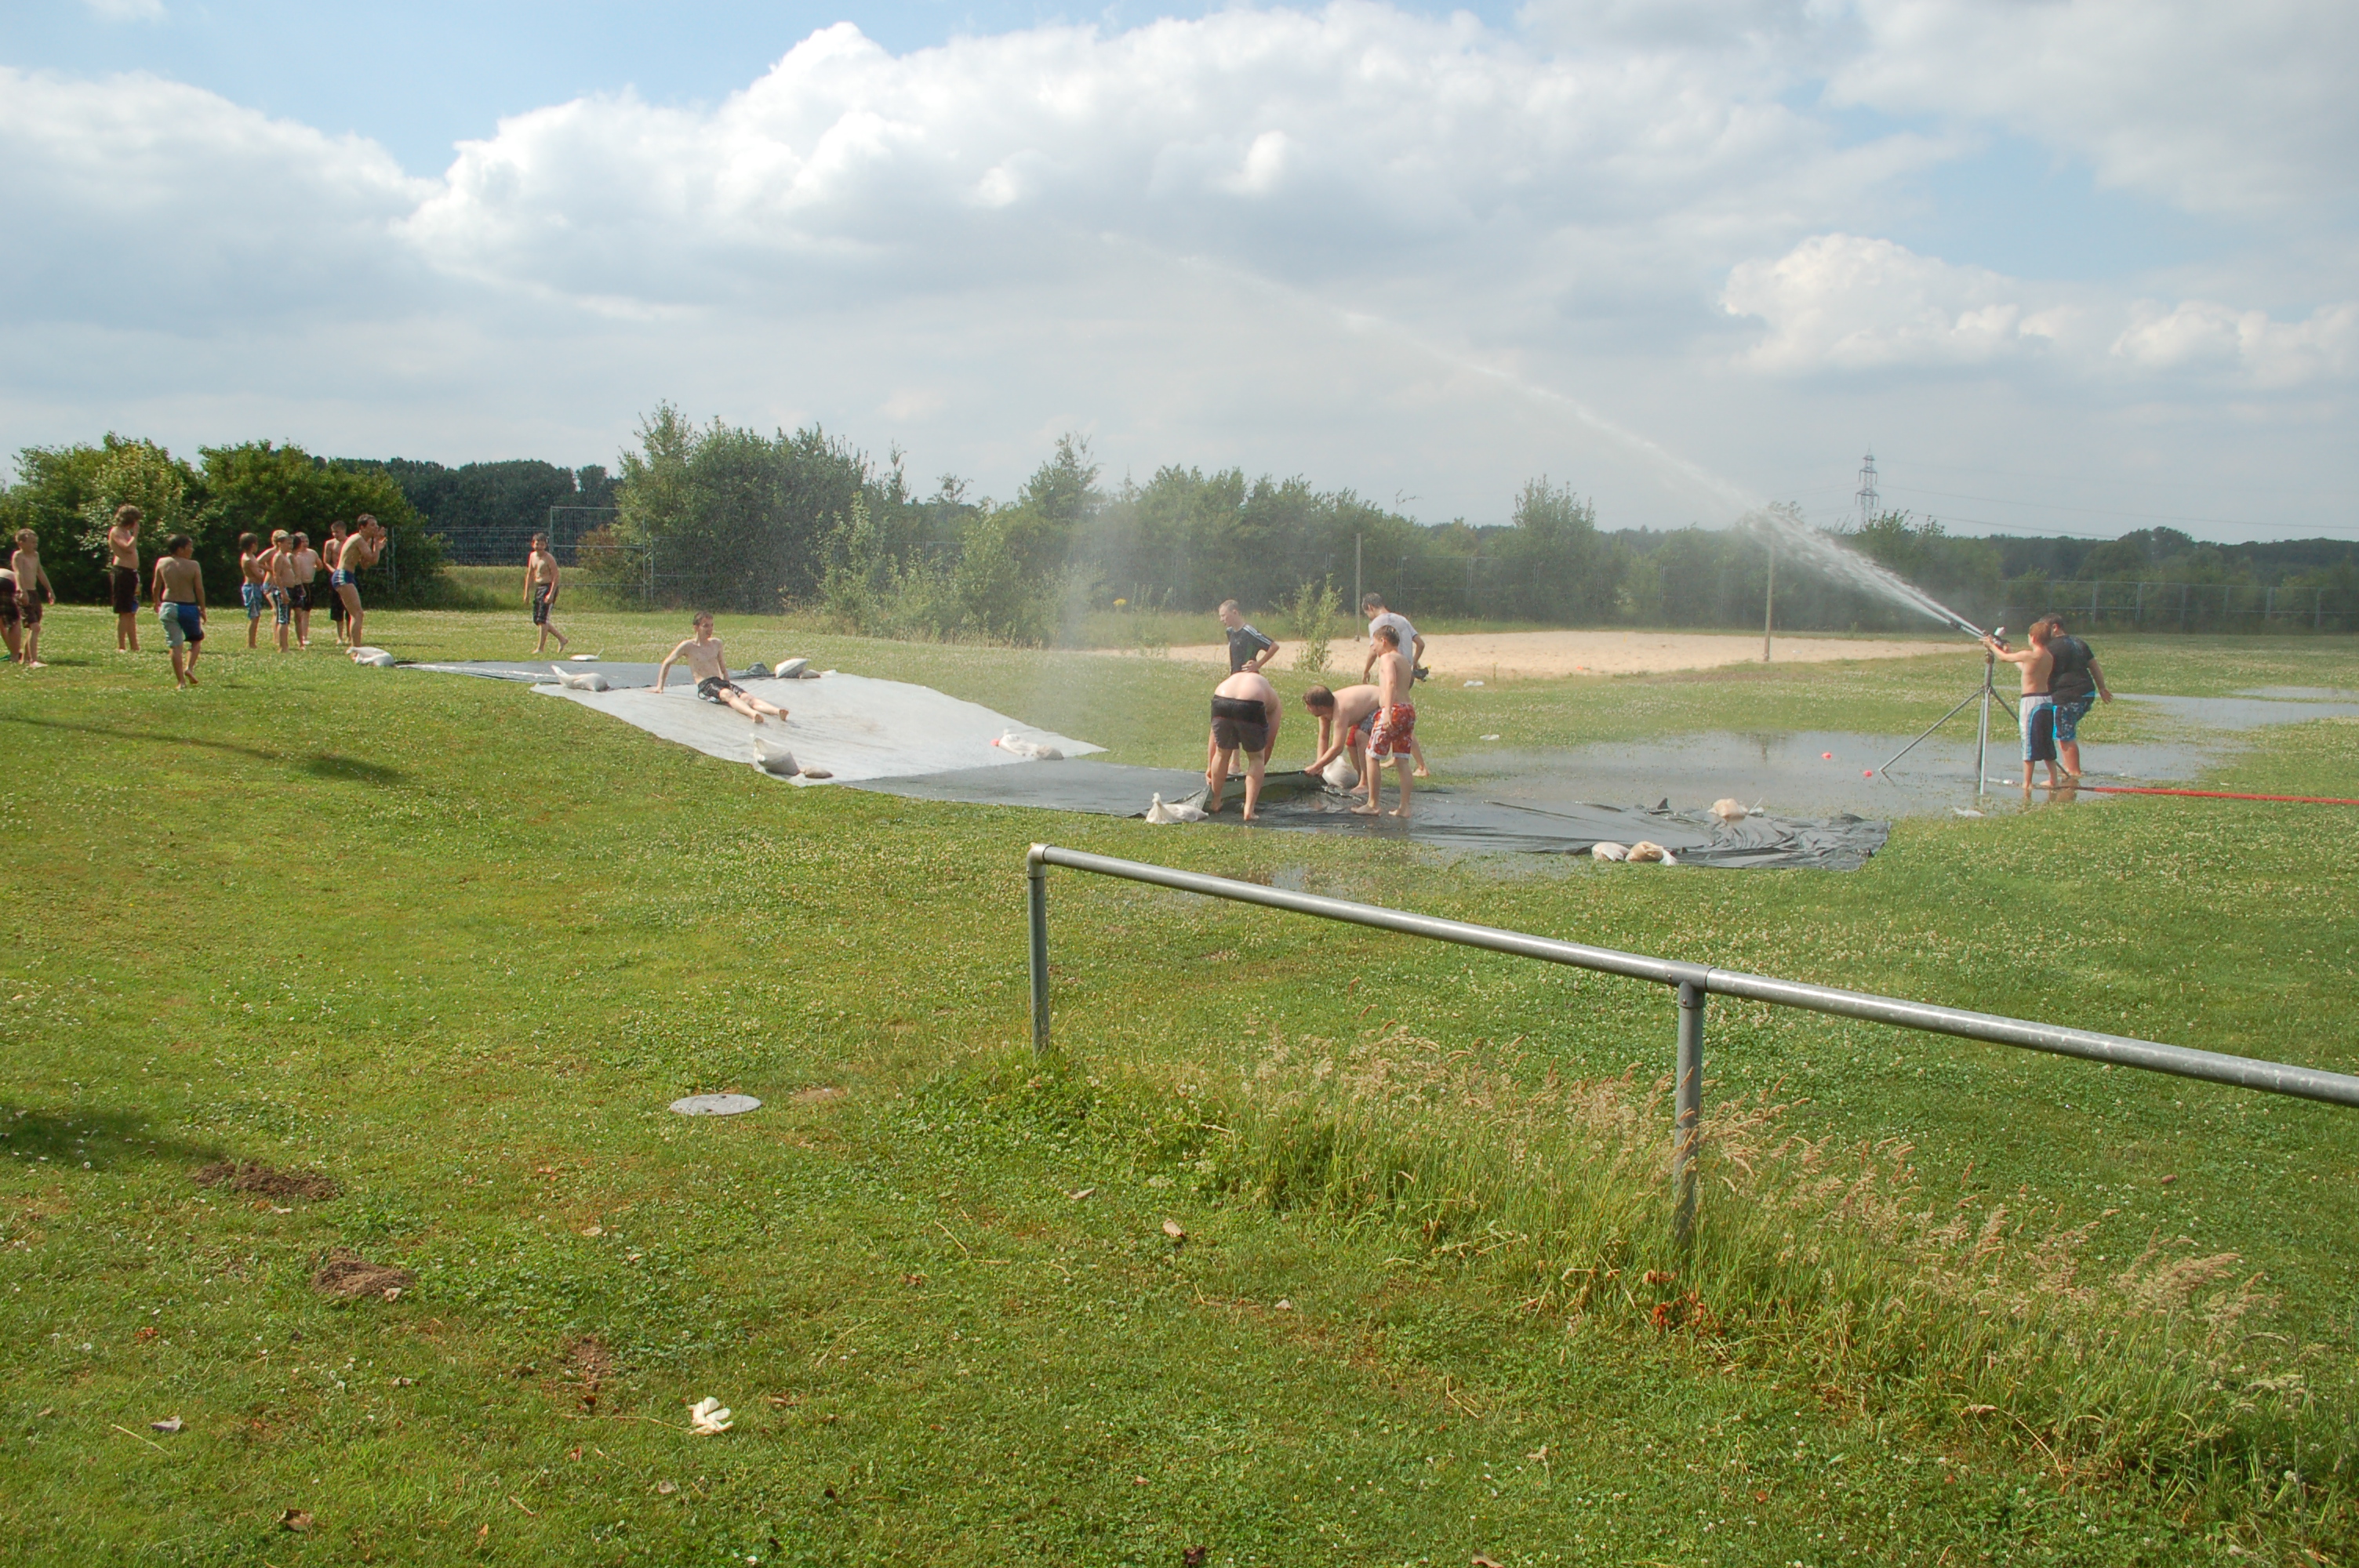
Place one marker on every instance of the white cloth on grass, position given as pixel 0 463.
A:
pixel 851 727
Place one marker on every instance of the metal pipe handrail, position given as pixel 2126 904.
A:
pixel 1695 982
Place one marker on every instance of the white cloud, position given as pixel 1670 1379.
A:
pixel 1840 302
pixel 1385 250
pixel 2221 108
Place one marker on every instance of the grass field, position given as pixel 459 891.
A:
pixel 455 946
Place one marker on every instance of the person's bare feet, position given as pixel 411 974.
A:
pixel 1365 811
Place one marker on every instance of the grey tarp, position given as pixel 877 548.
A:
pixel 910 740
pixel 1446 817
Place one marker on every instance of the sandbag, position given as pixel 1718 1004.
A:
pixel 1609 852
pixel 580 680
pixel 1163 812
pixel 1012 742
pixel 1342 774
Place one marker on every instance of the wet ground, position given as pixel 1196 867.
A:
pixel 1818 772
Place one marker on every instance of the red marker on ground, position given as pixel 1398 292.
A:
pixel 1826 756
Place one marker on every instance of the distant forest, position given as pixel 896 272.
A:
pixel 732 518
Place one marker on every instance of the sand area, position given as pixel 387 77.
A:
pixel 1505 655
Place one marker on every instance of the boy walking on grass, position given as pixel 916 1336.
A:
pixel 1395 731
pixel 32 585
pixel 541 593
pixel 705 662
pixel 181 604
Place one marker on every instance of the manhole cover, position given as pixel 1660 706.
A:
pixel 717 1105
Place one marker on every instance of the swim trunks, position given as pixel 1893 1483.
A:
pixel 712 687
pixel 29 609
pixel 2039 720
pixel 540 604
pixel 1396 727
pixel 1240 724
pixel 250 594
pixel 2068 716
pixel 182 622
pixel 342 579
pixel 284 602
pixel 1357 735
pixel 299 596
pixel 122 586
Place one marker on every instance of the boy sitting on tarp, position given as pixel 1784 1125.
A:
pixel 702 653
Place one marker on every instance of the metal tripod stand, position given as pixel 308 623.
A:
pixel 1983 694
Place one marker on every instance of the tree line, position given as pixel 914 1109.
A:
pixel 731 518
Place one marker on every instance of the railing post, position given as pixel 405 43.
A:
pixel 1035 887
pixel 1688 1125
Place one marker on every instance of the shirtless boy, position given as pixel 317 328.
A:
pixel 254 587
pixel 1245 713
pixel 279 564
pixel 2039 722
pixel 180 605
pixel 299 591
pixel 1394 733
pixel 362 548
pixel 1344 718
pixel 9 626
pixel 329 551
pixel 1408 638
pixel 541 593
pixel 702 653
pixel 123 577
pixel 32 585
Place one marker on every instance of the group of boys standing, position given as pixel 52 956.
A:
pixel 1375 721
pixel 278 578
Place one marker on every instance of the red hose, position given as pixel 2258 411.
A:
pixel 2217 794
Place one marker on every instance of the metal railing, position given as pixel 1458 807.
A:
pixel 1693 983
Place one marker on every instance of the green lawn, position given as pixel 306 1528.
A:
pixel 456 945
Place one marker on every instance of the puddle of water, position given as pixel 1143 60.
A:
pixel 2252 712
pixel 2301 693
pixel 1792 775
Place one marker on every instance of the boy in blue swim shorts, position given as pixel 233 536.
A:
pixel 180 605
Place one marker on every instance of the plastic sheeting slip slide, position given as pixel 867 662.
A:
pixel 844 728
pixel 911 741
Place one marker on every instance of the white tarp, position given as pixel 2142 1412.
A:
pixel 850 726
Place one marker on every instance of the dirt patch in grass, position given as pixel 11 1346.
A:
pixel 246 1177
pixel 348 1274
pixel 817 1095
pixel 588 1365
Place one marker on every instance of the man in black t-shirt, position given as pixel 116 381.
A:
pixel 2075 683
pixel 1249 649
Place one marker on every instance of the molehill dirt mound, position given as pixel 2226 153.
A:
pixel 246 1177
pixel 588 1365
pixel 348 1274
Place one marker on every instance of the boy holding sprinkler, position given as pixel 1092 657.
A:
pixel 2039 720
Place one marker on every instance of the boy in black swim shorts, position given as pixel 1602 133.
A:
pixel 706 663
pixel 1246 715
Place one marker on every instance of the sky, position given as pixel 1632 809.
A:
pixel 2065 266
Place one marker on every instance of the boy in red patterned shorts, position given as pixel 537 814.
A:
pixel 1395 731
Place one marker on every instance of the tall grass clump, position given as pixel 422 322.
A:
pixel 1311 618
pixel 1836 1267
